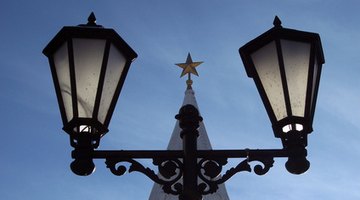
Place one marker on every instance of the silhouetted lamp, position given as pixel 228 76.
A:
pixel 89 64
pixel 286 65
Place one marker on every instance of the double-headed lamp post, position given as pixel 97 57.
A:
pixel 89 64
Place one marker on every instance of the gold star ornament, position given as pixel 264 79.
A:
pixel 189 66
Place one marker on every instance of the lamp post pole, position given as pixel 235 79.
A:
pixel 189 123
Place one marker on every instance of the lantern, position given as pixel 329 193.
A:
pixel 89 64
pixel 286 66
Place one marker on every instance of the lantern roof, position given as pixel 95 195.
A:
pixel 89 31
pixel 277 33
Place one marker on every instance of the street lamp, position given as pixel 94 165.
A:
pixel 89 64
pixel 286 66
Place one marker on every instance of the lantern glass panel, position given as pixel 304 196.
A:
pixel 88 57
pixel 115 67
pixel 267 67
pixel 61 61
pixel 296 56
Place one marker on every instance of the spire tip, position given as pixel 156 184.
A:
pixel 189 68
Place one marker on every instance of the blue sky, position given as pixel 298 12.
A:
pixel 35 153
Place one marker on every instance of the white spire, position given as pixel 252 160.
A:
pixel 175 143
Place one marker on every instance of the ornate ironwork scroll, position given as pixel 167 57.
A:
pixel 170 171
pixel 209 171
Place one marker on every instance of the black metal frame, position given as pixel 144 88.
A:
pixel 188 164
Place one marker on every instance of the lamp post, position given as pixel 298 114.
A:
pixel 89 64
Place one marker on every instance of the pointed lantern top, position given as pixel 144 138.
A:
pixel 277 22
pixel 91 21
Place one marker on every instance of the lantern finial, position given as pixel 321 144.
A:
pixel 91 19
pixel 277 22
